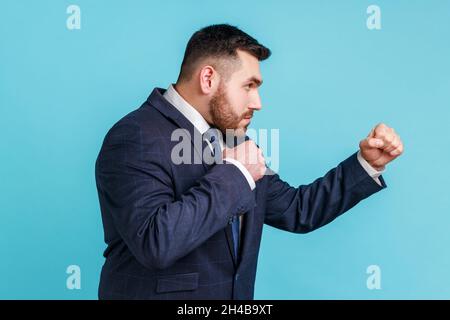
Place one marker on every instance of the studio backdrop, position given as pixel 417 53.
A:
pixel 70 69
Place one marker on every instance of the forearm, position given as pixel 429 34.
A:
pixel 311 206
pixel 162 230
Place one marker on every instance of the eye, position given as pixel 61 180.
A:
pixel 248 87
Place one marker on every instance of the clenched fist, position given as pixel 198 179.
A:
pixel 381 146
pixel 250 156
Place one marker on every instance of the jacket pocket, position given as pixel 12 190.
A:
pixel 177 282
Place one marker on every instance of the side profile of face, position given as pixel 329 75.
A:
pixel 233 104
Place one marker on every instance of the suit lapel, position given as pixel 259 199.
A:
pixel 157 100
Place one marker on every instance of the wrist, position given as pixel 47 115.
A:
pixel 378 168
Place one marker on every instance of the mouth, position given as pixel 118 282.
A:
pixel 247 119
pixel 248 115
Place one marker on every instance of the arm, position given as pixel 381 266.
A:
pixel 134 177
pixel 309 207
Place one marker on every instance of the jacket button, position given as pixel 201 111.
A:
pixel 236 277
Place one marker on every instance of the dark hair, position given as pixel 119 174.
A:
pixel 219 41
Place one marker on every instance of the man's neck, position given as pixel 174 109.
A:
pixel 186 93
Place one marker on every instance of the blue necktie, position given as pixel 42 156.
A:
pixel 213 136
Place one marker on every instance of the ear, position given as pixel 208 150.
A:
pixel 209 79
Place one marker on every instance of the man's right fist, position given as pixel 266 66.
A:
pixel 250 156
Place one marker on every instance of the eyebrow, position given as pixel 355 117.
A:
pixel 256 80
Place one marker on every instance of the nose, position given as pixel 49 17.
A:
pixel 255 103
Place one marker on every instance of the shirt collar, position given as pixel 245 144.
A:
pixel 175 99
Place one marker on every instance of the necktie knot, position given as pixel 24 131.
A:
pixel 213 136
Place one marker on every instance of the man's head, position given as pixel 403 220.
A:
pixel 220 76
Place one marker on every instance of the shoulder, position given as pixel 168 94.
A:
pixel 144 125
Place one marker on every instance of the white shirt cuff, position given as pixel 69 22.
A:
pixel 244 171
pixel 371 171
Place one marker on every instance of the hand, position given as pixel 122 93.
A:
pixel 381 146
pixel 250 156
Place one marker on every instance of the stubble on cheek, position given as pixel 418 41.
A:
pixel 222 113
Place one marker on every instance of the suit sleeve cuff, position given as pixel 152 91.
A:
pixel 244 171
pixel 375 174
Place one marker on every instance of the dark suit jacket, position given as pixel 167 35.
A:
pixel 168 227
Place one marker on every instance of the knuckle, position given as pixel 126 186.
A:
pixel 361 143
pixel 389 139
pixel 382 126
pixel 380 131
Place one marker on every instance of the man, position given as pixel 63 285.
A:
pixel 192 230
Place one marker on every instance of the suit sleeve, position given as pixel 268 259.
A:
pixel 308 207
pixel 134 177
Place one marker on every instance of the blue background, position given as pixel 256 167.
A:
pixel 328 82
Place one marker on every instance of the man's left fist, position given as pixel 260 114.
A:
pixel 381 146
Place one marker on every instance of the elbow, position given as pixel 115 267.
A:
pixel 305 228
pixel 156 256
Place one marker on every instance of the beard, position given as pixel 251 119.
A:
pixel 223 116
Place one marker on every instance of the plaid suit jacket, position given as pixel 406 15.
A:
pixel 167 226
